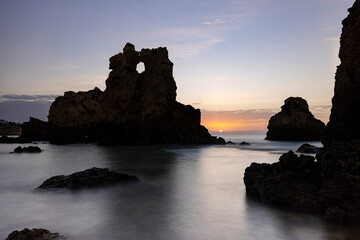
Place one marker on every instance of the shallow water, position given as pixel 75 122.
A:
pixel 185 192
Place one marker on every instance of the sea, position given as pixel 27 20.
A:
pixel 185 192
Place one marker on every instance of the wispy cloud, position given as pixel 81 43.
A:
pixel 28 98
pixel 215 22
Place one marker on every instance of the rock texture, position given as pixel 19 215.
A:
pixel 295 122
pixel 135 108
pixel 33 234
pixel 331 184
pixel 94 177
pixel 29 149
pixel 344 122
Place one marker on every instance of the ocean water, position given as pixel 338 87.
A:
pixel 186 192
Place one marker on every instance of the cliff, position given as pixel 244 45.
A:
pixel 344 124
pixel 295 122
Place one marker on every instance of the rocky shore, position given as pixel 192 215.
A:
pixel 329 184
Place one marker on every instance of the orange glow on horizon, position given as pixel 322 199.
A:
pixel 223 122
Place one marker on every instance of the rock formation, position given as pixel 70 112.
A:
pixel 29 149
pixel 94 177
pixel 34 234
pixel 308 148
pixel 135 108
pixel 331 184
pixel 9 128
pixel 295 122
pixel 344 124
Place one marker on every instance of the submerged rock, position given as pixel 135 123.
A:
pixel 29 149
pixel 244 143
pixel 295 122
pixel 34 234
pixel 308 148
pixel 135 108
pixel 94 177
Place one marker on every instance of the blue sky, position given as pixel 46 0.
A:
pixel 228 55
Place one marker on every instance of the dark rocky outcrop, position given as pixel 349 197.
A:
pixel 34 234
pixel 29 149
pixel 344 124
pixel 94 177
pixel 135 108
pixel 244 143
pixel 21 139
pixel 331 184
pixel 308 148
pixel 9 128
pixel 295 122
pixel 292 182
pixel 36 130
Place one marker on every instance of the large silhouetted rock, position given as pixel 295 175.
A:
pixel 135 108
pixel 331 184
pixel 295 122
pixel 344 124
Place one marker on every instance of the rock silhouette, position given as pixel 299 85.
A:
pixel 135 108
pixel 94 177
pixel 331 184
pixel 295 122
pixel 34 234
pixel 344 124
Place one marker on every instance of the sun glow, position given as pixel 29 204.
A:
pixel 220 130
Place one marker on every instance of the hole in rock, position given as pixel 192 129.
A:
pixel 140 67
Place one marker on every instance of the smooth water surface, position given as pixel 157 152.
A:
pixel 187 192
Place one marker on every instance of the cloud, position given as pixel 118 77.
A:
pixel 28 98
pixel 216 21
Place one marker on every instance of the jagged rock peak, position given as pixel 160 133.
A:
pixel 295 122
pixel 135 108
pixel 344 124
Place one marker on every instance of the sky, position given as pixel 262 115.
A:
pixel 236 60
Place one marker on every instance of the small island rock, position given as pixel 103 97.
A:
pixel 94 177
pixel 29 149
pixel 244 143
pixel 34 234
pixel 295 122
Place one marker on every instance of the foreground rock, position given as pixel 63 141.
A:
pixel 308 148
pixel 30 149
pixel 292 182
pixel 34 234
pixel 135 108
pixel 94 177
pixel 295 122
pixel 330 185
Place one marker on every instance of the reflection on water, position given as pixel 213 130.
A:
pixel 184 193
